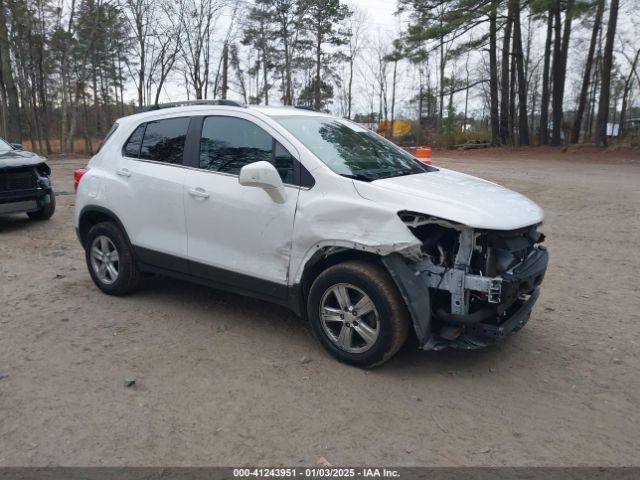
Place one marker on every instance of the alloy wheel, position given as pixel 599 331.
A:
pixel 349 318
pixel 105 260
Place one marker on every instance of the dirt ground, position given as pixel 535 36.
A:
pixel 225 380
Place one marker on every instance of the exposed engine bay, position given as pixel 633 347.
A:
pixel 482 283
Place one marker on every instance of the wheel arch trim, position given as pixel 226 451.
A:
pixel 415 295
pixel 88 210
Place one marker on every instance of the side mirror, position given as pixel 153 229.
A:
pixel 263 175
pixel 17 146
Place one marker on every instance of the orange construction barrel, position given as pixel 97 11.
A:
pixel 424 154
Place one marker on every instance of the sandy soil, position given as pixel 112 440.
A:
pixel 225 380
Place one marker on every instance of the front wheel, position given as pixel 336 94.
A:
pixel 357 313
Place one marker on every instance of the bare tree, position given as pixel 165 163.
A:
pixel 9 90
pixel 166 45
pixel 628 84
pixel 523 124
pixel 584 89
pixel 607 62
pixel 198 23
pixel 355 28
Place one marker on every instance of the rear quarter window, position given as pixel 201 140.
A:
pixel 132 147
pixel 111 131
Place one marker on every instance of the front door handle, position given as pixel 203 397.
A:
pixel 124 172
pixel 198 192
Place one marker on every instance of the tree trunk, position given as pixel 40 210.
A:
pixel 512 97
pixel 393 95
pixel 504 75
pixel 420 97
pixel 317 95
pixel 523 124
pixel 288 100
pixel 560 52
pixel 607 62
pixel 14 130
pixel 534 99
pixel 141 78
pixel 544 100
pixel 350 89
pixel 466 95
pixel 595 80
pixel 493 75
pixel 443 64
pixel 625 97
pixel 584 90
pixel 225 71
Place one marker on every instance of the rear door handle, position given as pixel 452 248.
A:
pixel 198 192
pixel 124 172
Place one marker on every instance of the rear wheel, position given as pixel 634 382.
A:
pixel 46 211
pixel 357 313
pixel 110 260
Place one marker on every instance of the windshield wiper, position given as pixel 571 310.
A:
pixel 399 173
pixel 365 177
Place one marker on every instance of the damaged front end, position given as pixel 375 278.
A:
pixel 469 288
pixel 25 185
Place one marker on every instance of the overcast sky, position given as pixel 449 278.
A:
pixel 382 22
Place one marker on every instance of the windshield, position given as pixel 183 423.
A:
pixel 351 150
pixel 5 147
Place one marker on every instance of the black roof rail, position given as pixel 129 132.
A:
pixel 306 107
pixel 187 103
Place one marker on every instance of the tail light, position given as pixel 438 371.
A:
pixel 77 176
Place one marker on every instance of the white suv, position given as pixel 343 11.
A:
pixel 316 213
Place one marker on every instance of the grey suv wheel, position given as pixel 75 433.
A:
pixel 110 259
pixel 357 313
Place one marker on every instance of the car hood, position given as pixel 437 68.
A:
pixel 20 158
pixel 456 197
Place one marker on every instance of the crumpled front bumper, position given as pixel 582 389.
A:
pixel 511 298
pixel 25 200
pixel 480 335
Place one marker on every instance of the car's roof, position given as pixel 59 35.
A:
pixel 200 109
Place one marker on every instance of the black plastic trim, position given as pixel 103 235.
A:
pixel 191 156
pixel 95 208
pixel 183 269
pixel 415 295
pixel 171 263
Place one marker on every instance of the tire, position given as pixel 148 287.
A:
pixel 106 236
pixel 389 318
pixel 46 212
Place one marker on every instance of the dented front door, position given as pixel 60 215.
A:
pixel 237 229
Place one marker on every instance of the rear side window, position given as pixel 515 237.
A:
pixel 227 144
pixel 164 140
pixel 160 140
